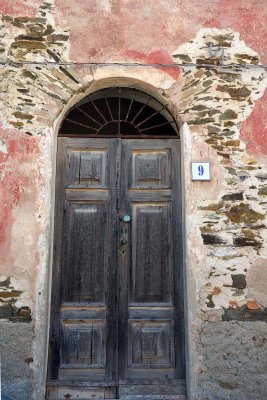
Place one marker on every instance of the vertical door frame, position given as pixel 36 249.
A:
pixel 152 87
pixel 60 176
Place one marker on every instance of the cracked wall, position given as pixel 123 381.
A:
pixel 221 114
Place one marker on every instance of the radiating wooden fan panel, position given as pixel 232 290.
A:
pixel 119 112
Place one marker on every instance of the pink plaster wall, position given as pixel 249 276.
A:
pixel 17 187
pixel 131 30
pixel 147 31
pixel 20 8
pixel 100 31
pixel 254 129
pixel 134 30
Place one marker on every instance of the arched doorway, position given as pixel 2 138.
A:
pixel 117 327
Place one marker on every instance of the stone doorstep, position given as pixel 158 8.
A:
pixel 139 397
pixel 179 397
pixel 151 397
pixel 69 392
pixel 55 395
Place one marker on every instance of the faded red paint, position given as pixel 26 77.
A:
pixel 100 30
pixel 246 17
pixel 156 57
pixel 6 222
pixel 3 159
pixel 22 148
pixel 16 179
pixel 254 128
pixel 19 8
pixel 145 26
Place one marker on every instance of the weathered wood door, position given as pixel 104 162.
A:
pixel 117 297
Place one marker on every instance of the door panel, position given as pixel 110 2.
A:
pixel 150 169
pixel 84 343
pixel 116 309
pixel 84 250
pixel 87 167
pixel 149 194
pixel 151 256
pixel 83 328
pixel 151 343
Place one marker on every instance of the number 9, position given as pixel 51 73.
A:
pixel 200 170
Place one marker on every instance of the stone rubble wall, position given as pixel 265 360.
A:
pixel 225 219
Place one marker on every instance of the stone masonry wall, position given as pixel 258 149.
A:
pixel 229 221
pixel 220 110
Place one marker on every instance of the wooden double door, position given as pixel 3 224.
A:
pixel 117 297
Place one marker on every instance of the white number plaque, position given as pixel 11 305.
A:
pixel 200 171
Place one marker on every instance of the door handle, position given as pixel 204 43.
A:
pixel 125 218
pixel 123 235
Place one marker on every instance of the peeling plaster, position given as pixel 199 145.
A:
pixel 215 102
pixel 225 218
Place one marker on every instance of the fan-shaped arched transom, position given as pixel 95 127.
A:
pixel 119 112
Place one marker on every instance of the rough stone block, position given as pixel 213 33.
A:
pixel 234 357
pixel 16 350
